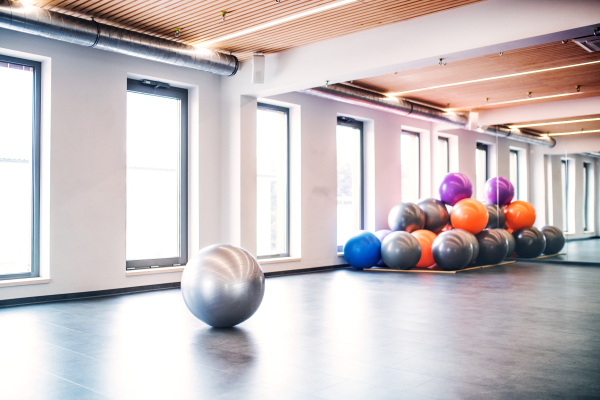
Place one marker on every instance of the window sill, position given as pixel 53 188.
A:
pixel 151 271
pixel 24 281
pixel 278 260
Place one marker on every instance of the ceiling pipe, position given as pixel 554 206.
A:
pixel 37 21
pixel 518 134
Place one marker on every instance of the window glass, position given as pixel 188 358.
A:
pixel 514 172
pixel 443 160
pixel 272 180
pixel 410 164
pixel 19 169
pixel 349 181
pixel 588 197
pixel 156 179
pixel 564 175
pixel 481 169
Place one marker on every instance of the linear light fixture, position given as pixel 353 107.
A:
pixel 573 133
pixel 277 22
pixel 494 78
pixel 516 101
pixel 574 121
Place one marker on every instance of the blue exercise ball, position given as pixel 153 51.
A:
pixel 362 250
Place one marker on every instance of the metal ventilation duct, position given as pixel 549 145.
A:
pixel 366 98
pixel 53 25
pixel 518 134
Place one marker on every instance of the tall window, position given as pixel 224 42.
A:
pixel 272 181
pixel 410 151
pixel 481 168
pixel 588 197
pixel 156 175
pixel 19 167
pixel 564 174
pixel 350 187
pixel 514 172
pixel 443 160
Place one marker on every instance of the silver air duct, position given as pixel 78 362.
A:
pixel 54 25
pixel 518 134
pixel 366 98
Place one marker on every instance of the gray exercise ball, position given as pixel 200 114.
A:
pixel 530 242
pixel 496 218
pixel 400 250
pixel 510 239
pixel 452 250
pixel 493 246
pixel 223 285
pixel 555 240
pixel 436 214
pixel 406 217
pixel 474 243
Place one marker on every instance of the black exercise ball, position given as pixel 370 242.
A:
pixel 452 250
pixel 530 242
pixel 496 216
pixel 510 240
pixel 493 246
pixel 406 217
pixel 555 239
pixel 474 243
pixel 400 250
pixel 436 215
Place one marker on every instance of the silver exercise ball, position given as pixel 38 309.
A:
pixel 406 217
pixel 400 250
pixel 436 214
pixel 474 243
pixel 222 285
pixel 510 239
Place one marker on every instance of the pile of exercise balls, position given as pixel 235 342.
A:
pixel 455 231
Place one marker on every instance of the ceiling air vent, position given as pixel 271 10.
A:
pixel 590 43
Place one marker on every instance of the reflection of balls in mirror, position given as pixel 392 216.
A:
pixel 496 218
pixel 555 239
pixel 493 247
pixel 530 242
pixel 519 214
pixel 499 191
pixel 510 240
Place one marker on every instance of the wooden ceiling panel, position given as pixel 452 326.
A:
pixel 565 127
pixel 201 20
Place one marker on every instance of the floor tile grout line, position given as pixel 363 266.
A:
pixel 74 383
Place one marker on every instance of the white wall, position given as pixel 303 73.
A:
pixel 84 124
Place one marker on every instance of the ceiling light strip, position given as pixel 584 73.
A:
pixel 276 22
pixel 514 101
pixel 494 78
pixel 574 121
pixel 573 133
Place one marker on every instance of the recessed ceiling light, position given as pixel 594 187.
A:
pixel 276 22
pixel 573 133
pixel 573 121
pixel 494 78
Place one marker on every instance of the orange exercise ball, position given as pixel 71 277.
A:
pixel 519 214
pixel 425 239
pixel 470 215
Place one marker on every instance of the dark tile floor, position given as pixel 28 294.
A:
pixel 524 331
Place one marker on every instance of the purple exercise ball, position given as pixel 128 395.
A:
pixel 381 235
pixel 455 187
pixel 498 191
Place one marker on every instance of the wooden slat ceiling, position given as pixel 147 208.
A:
pixel 565 127
pixel 201 20
pixel 472 96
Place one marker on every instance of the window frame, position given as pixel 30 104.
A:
pixel 518 166
pixel 165 90
pixel 286 111
pixel 352 123
pixel 36 67
pixel 447 141
pixel 565 187
pixel 485 147
pixel 587 166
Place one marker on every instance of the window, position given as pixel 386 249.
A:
pixel 20 82
pixel 350 187
pixel 272 182
pixel 443 160
pixel 410 151
pixel 564 174
pixel 588 197
pixel 156 175
pixel 514 172
pixel 481 168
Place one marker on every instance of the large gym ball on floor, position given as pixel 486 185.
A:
pixel 400 250
pixel 222 285
pixel 452 250
pixel 519 214
pixel 493 247
pixel 496 218
pixel 530 242
pixel 470 215
pixel 498 191
pixel 436 214
pixel 474 243
pixel 362 250
pixel 455 187
pixel 425 239
pixel 555 240
pixel 381 234
pixel 510 241
pixel 406 217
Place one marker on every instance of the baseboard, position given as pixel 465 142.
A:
pixel 583 238
pixel 305 270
